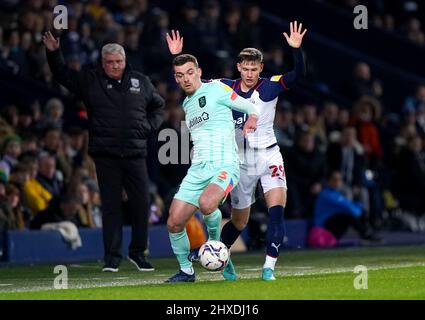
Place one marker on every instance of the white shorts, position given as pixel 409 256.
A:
pixel 264 165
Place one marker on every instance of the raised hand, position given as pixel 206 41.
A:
pixel 50 42
pixel 296 37
pixel 175 43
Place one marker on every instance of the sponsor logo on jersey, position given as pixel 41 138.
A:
pixel 202 101
pixel 198 120
pixel 239 121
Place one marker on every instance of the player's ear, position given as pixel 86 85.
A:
pixel 261 67
pixel 238 65
pixel 200 72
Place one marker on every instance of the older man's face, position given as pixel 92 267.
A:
pixel 114 65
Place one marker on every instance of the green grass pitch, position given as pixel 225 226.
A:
pixel 393 273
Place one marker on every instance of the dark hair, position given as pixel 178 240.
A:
pixel 70 197
pixel 183 59
pixel 250 54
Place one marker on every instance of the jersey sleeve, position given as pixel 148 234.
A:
pixel 229 98
pixel 278 83
pixel 228 82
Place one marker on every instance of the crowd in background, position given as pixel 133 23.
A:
pixel 47 175
pixel 402 17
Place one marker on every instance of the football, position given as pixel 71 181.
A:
pixel 213 255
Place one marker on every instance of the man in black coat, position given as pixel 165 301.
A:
pixel 123 109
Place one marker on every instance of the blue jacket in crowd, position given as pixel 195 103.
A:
pixel 331 202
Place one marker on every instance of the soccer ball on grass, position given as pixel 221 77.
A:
pixel 213 255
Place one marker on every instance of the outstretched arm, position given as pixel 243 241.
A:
pixel 70 79
pixel 295 40
pixel 238 103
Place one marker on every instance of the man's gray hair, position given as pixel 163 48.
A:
pixel 113 48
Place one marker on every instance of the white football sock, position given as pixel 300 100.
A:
pixel 270 262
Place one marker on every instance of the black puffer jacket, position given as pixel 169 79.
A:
pixel 121 114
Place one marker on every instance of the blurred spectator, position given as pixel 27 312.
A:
pixel 251 28
pixel 311 122
pixel 13 51
pixel 275 61
pixel 409 182
pixel 89 50
pixel 37 197
pixel 11 150
pixel 347 157
pixel 334 214
pixel 362 83
pixel 18 220
pixel 53 144
pixel 84 216
pixel 420 121
pixel 155 49
pixel 211 37
pixel 65 210
pixel 233 36
pixel 10 114
pixel 414 31
pixel 47 177
pixel 52 116
pixel 24 121
pixel 95 201
pixel 329 120
pixel 188 26
pixel 305 166
pixel 284 128
pixel 76 149
pixel 19 176
pixel 385 22
pixel 132 50
pixel 366 112
pixel 29 145
pixel 5 212
pixel 413 103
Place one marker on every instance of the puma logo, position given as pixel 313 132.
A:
pixel 276 246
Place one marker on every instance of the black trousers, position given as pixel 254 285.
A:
pixel 114 175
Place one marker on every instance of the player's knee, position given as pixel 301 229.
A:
pixel 207 206
pixel 173 225
pixel 239 224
